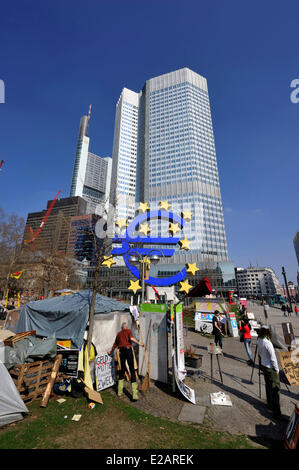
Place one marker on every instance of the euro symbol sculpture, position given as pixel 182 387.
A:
pixel 130 239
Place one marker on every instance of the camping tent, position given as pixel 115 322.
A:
pixel 68 315
pixel 11 404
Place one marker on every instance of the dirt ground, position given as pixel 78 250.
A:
pixel 248 415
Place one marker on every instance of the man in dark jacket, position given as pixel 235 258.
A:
pixel 217 328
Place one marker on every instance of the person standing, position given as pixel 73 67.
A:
pixel 123 342
pixel 217 328
pixel 246 331
pixel 289 309
pixel 269 366
pixel 296 310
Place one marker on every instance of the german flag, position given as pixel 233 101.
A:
pixel 16 275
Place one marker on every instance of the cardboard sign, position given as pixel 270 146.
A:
pixel 105 371
pixel 290 365
pixel 70 361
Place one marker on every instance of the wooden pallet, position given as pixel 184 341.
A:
pixel 14 339
pixel 31 379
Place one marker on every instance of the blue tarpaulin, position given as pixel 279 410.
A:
pixel 67 315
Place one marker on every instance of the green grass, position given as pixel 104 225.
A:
pixel 43 427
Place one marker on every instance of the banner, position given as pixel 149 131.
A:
pixel 186 391
pixel 105 371
pixel 180 341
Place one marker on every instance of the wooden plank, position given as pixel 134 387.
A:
pixel 50 384
pixel 18 337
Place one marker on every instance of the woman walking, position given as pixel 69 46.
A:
pixel 245 330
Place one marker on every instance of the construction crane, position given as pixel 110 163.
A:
pixel 33 236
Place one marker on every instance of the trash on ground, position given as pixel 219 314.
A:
pixel 220 398
pixel 61 400
pixel 76 417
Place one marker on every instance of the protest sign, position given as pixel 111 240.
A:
pixel 290 365
pixel 69 363
pixel 105 371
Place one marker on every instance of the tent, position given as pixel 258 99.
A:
pixel 67 317
pixel 11 403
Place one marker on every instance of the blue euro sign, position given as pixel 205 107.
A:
pixel 130 239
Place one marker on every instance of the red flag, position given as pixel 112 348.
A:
pixel 201 289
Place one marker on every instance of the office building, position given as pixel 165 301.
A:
pixel 296 245
pixel 55 232
pixel 124 155
pixel 164 150
pixel 92 173
pixel 257 282
pixel 177 161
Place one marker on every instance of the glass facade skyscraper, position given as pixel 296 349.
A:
pixel 124 155
pixel 92 173
pixel 173 158
pixel 178 160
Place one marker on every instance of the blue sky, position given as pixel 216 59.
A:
pixel 58 56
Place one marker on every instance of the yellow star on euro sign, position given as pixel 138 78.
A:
pixel 185 286
pixel 121 223
pixel 108 261
pixel 143 207
pixel 144 228
pixel 187 215
pixel 134 286
pixel 184 244
pixel 191 268
pixel 174 228
pixel 165 205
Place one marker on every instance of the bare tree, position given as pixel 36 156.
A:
pixel 102 243
pixel 11 235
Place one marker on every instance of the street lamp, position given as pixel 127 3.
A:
pixel 136 258
pixel 287 288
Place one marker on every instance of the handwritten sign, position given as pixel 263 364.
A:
pixel 290 364
pixel 105 371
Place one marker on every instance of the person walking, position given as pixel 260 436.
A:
pixel 246 331
pixel 269 366
pixel 289 310
pixel 283 308
pixel 217 328
pixel 123 342
pixel 296 310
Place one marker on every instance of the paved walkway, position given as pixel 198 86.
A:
pixel 275 317
pixel 249 414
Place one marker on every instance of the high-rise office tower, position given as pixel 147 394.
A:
pixel 92 173
pixel 169 124
pixel 124 155
pixel 296 245
pixel 178 160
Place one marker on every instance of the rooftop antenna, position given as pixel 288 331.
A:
pixel 89 112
